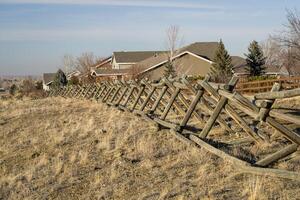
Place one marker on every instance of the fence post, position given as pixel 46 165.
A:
pixel 156 103
pixel 192 107
pixel 168 107
pixel 218 109
pixel 138 96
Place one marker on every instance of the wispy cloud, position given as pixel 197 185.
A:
pixel 132 3
pixel 73 34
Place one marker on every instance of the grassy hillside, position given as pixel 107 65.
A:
pixel 59 148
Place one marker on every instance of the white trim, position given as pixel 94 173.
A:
pixel 111 74
pixel 104 62
pixel 185 52
pixel 94 73
pixel 124 63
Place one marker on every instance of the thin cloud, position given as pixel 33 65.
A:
pixel 70 34
pixel 131 3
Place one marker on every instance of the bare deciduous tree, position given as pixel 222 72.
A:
pixel 289 40
pixel 172 40
pixel 273 52
pixel 68 63
pixel 85 62
pixel 173 43
pixel 290 37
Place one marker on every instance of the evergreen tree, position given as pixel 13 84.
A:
pixel 255 60
pixel 13 89
pixel 169 70
pixel 60 79
pixel 221 70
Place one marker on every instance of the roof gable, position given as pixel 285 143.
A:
pixel 203 49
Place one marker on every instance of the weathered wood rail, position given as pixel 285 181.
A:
pixel 213 116
pixel 286 83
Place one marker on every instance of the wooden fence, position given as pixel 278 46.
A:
pixel 287 83
pixel 213 116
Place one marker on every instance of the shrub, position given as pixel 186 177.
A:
pixel 13 89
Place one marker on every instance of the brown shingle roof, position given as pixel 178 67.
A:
pixel 133 56
pixel 203 49
pixel 48 77
pixel 152 61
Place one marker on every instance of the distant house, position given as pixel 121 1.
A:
pixel 192 60
pixel 103 74
pixel 126 59
pixel 120 64
pixel 48 80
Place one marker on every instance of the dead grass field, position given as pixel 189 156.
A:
pixel 57 148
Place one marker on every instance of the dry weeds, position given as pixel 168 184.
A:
pixel 59 148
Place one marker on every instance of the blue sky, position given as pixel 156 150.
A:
pixel 35 34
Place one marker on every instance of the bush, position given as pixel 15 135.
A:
pixel 28 86
pixel 39 85
pixel 13 89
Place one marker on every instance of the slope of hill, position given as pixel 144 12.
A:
pixel 57 148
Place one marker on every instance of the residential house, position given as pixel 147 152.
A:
pixel 126 59
pixel 192 60
pixel 107 74
pixel 119 65
pixel 48 80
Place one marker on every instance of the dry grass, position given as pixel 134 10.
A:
pixel 58 148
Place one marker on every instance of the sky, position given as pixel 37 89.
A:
pixel 36 34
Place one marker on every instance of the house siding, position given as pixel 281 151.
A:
pixel 114 64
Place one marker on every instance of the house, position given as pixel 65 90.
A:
pixel 48 80
pixel 106 74
pixel 192 60
pixel 120 64
pixel 126 59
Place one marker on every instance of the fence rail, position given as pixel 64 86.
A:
pixel 213 116
pixel 266 85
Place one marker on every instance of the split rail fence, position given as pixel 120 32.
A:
pixel 287 83
pixel 250 133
